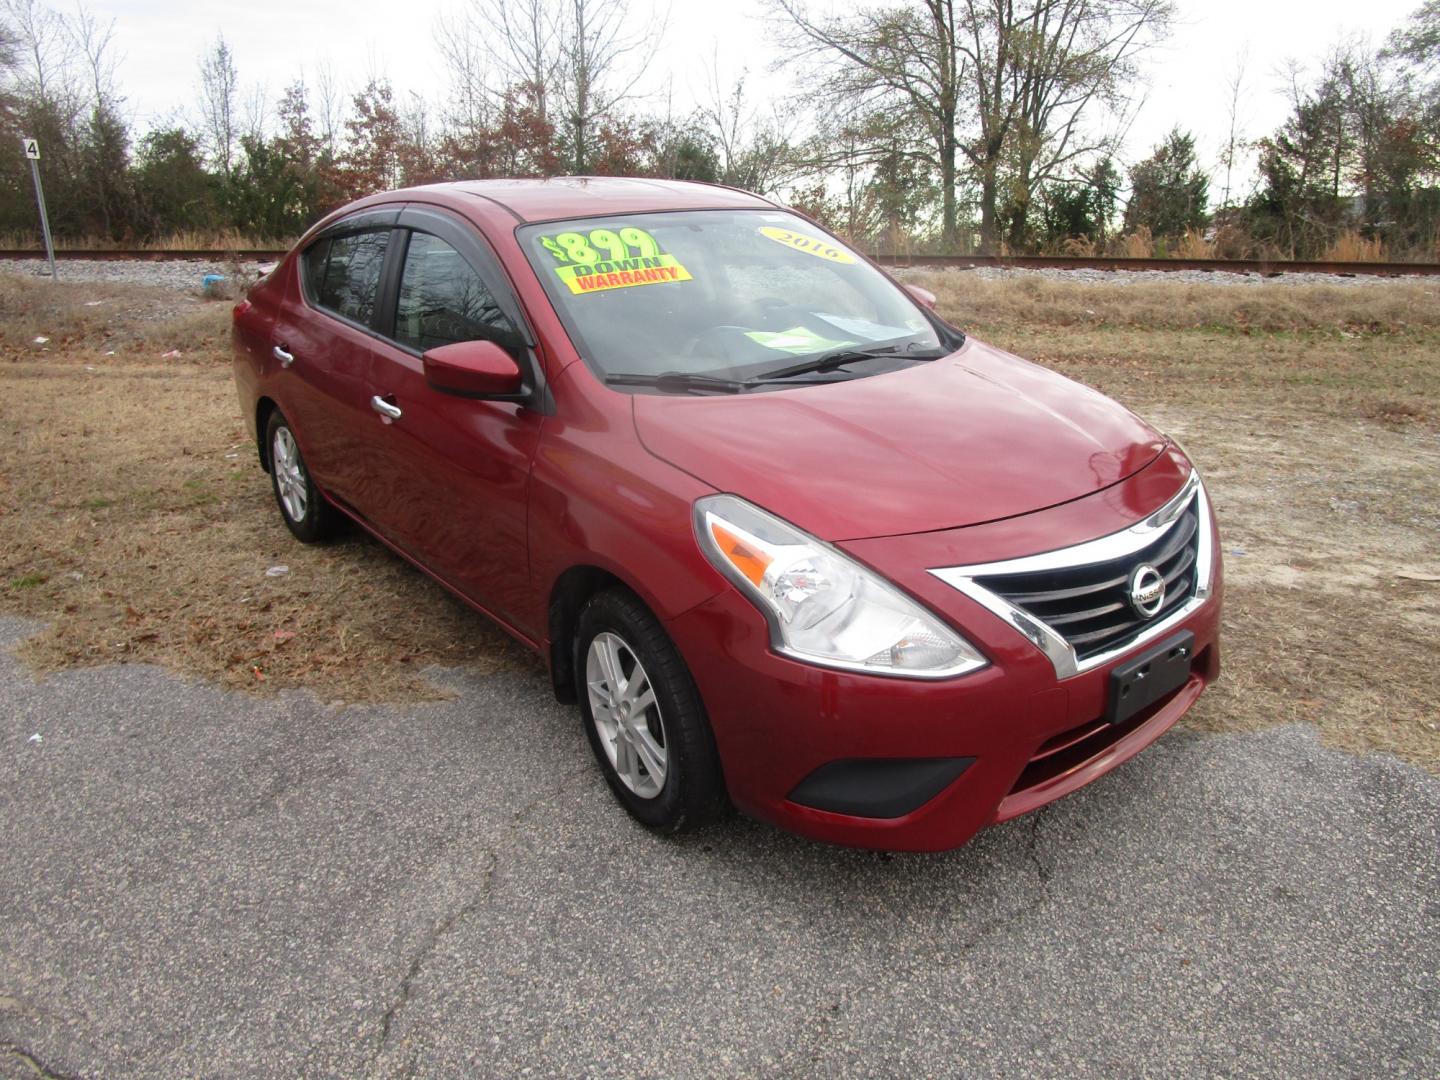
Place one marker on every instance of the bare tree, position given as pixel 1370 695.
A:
pixel 106 154
pixel 219 89
pixel 888 59
pixel 93 41
pixel 331 99
pixel 1235 141
pixel 1005 84
pixel 754 147
pixel 50 99
pixel 466 49
pixel 419 156
pixel 519 39
pixel 255 113
pixel 595 43
pixel 566 60
pixel 1070 62
pixel 46 49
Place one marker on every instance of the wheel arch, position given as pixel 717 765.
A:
pixel 568 595
pixel 263 408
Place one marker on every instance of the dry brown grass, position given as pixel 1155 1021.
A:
pixel 1193 245
pixel 1330 531
pixel 1360 351
pixel 135 522
pixel 1352 247
pixel 136 323
pixel 1329 310
pixel 1137 245
pixel 1315 413
pixel 1079 247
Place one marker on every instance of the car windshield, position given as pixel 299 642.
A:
pixel 716 300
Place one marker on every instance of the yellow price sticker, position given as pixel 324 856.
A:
pixel 810 245
pixel 622 273
pixel 600 244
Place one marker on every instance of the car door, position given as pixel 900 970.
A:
pixel 451 474
pixel 324 336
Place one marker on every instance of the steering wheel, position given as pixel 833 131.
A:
pixel 714 341
pixel 765 308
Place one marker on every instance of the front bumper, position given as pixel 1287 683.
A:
pixel 993 744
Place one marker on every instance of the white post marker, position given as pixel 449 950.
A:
pixel 32 151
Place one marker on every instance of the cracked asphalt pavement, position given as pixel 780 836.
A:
pixel 201 883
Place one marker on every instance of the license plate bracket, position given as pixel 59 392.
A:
pixel 1137 684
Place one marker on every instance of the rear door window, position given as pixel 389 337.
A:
pixel 443 300
pixel 313 263
pixel 350 281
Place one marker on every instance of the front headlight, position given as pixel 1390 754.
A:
pixel 822 606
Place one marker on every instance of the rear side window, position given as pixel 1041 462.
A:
pixel 443 300
pixel 313 264
pixel 350 280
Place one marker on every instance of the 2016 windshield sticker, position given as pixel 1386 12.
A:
pixel 810 245
pixel 622 273
pixel 611 259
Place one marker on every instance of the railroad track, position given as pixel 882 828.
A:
pixel 1267 267
pixel 165 255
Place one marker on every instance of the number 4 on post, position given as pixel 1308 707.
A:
pixel 32 151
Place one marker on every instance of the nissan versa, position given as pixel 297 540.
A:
pixel 786 537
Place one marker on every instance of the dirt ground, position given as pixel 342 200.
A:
pixel 136 523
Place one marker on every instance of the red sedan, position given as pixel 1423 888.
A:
pixel 789 539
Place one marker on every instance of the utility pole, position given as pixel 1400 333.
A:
pixel 32 151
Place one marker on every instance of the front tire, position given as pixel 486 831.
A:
pixel 307 515
pixel 643 716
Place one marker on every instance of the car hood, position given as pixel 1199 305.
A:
pixel 977 436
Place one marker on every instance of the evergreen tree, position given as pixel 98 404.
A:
pixel 1168 190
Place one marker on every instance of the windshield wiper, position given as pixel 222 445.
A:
pixel 682 381
pixel 839 358
pixel 673 381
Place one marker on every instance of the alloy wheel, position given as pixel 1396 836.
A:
pixel 626 714
pixel 289 474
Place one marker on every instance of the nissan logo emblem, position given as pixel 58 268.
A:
pixel 1147 591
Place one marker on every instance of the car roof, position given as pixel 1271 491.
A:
pixel 585 196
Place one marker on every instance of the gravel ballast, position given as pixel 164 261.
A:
pixel 1169 277
pixel 186 274
pixel 182 274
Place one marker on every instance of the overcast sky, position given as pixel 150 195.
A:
pixel 274 41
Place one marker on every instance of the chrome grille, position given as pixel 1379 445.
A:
pixel 1089 605
pixel 1073 603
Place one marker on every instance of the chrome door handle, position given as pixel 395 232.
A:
pixel 384 408
pixel 285 358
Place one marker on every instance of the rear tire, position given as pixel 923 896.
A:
pixel 306 513
pixel 644 717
